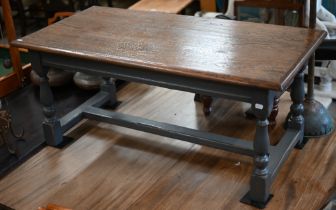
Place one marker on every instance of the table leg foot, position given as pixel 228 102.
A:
pixel 109 86
pixel 53 133
pixel 260 205
pixel 65 142
pixel 112 106
pixel 207 105
pixel 301 144
pixel 260 182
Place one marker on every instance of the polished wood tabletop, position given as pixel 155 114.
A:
pixel 249 54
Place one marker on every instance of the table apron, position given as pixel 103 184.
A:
pixel 156 78
pixel 268 159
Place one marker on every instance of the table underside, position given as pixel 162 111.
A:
pixel 267 158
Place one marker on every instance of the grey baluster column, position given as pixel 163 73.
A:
pixel 51 125
pixel 260 182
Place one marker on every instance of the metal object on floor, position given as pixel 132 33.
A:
pixel 87 82
pixel 56 77
pixel 318 121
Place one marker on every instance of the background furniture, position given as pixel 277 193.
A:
pixel 17 5
pixel 208 5
pixel 167 6
pixel 13 80
pixel 278 14
pixel 318 121
pixel 330 5
pixel 279 6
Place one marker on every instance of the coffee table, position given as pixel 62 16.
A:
pixel 243 61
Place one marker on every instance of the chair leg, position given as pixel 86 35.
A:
pixel 207 108
pixel 206 101
pixel 275 111
pixel 207 104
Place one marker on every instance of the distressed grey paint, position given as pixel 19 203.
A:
pixel 267 159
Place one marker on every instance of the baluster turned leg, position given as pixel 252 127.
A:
pixel 295 118
pixel 260 182
pixel 51 125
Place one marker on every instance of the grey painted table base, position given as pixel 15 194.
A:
pixel 267 159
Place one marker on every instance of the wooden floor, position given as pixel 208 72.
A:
pixel 110 167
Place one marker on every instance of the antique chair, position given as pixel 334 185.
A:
pixel 52 12
pixel 10 82
pixel 17 5
pixel 318 121
pixel 280 6
pixel 278 17
pixel 57 9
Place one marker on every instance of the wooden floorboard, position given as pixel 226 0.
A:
pixel 24 104
pixel 109 167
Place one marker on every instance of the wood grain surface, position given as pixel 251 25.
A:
pixel 251 54
pixel 110 167
pixel 167 6
pixel 208 5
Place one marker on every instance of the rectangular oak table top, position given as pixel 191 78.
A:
pixel 247 62
pixel 248 54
